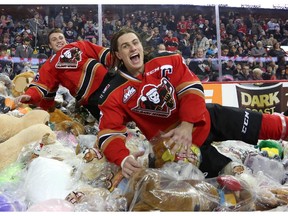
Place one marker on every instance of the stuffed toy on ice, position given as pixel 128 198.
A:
pixel 63 122
pixel 155 190
pixel 112 174
pixel 6 104
pixel 11 125
pixel 21 83
pixel 5 85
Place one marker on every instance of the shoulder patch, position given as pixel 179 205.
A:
pixel 110 87
pixel 69 58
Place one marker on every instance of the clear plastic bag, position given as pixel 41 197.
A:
pixel 157 190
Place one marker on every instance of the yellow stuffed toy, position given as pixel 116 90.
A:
pixel 21 83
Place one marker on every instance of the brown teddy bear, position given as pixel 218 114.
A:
pixel 153 189
pixel 64 122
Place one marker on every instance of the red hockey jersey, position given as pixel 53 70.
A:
pixel 76 67
pixel 157 101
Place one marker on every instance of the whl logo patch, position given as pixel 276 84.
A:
pixel 128 93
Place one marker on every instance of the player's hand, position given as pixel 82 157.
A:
pixel 130 164
pixel 181 136
pixel 21 98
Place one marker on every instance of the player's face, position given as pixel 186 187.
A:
pixel 57 41
pixel 130 51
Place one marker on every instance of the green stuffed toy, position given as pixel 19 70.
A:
pixel 270 149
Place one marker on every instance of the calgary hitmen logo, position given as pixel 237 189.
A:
pixel 156 100
pixel 69 58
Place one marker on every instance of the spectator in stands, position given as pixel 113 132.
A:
pixel 270 73
pixel 28 33
pixel 182 27
pixel 257 74
pixel 208 30
pixel 272 26
pixel 6 39
pixel 156 38
pixel 200 21
pixel 59 20
pixel 231 27
pixel 146 36
pixel 185 46
pixel 200 41
pixel 160 48
pixel 223 32
pixel 200 65
pixel 271 40
pixel 284 41
pixel 3 24
pixel 9 24
pixel 24 50
pixel 228 69
pixel 17 39
pixel 36 25
pixel 232 50
pixel 241 30
pixel 241 52
pixel 259 50
pixel 281 70
pixel 171 43
pixel 105 41
pixel 212 50
pixel 70 32
pixel 243 74
pixel 172 23
pixel 276 51
pixel 107 28
pixel 81 33
pixel 254 40
pixel 90 30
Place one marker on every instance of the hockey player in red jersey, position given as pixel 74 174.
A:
pixel 76 66
pixel 163 95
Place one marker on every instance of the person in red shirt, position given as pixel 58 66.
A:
pixel 171 43
pixel 163 96
pixel 182 27
pixel 76 66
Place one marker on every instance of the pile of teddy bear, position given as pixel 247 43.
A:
pixel 49 161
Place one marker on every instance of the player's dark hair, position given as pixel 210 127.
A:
pixel 114 45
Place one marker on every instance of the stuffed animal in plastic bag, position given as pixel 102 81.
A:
pixel 63 122
pixel 154 189
pixel 162 153
pixel 11 148
pixel 46 179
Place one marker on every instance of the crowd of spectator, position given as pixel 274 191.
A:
pixel 250 44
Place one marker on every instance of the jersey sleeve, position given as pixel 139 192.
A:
pixel 100 53
pixel 43 88
pixel 113 132
pixel 190 93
